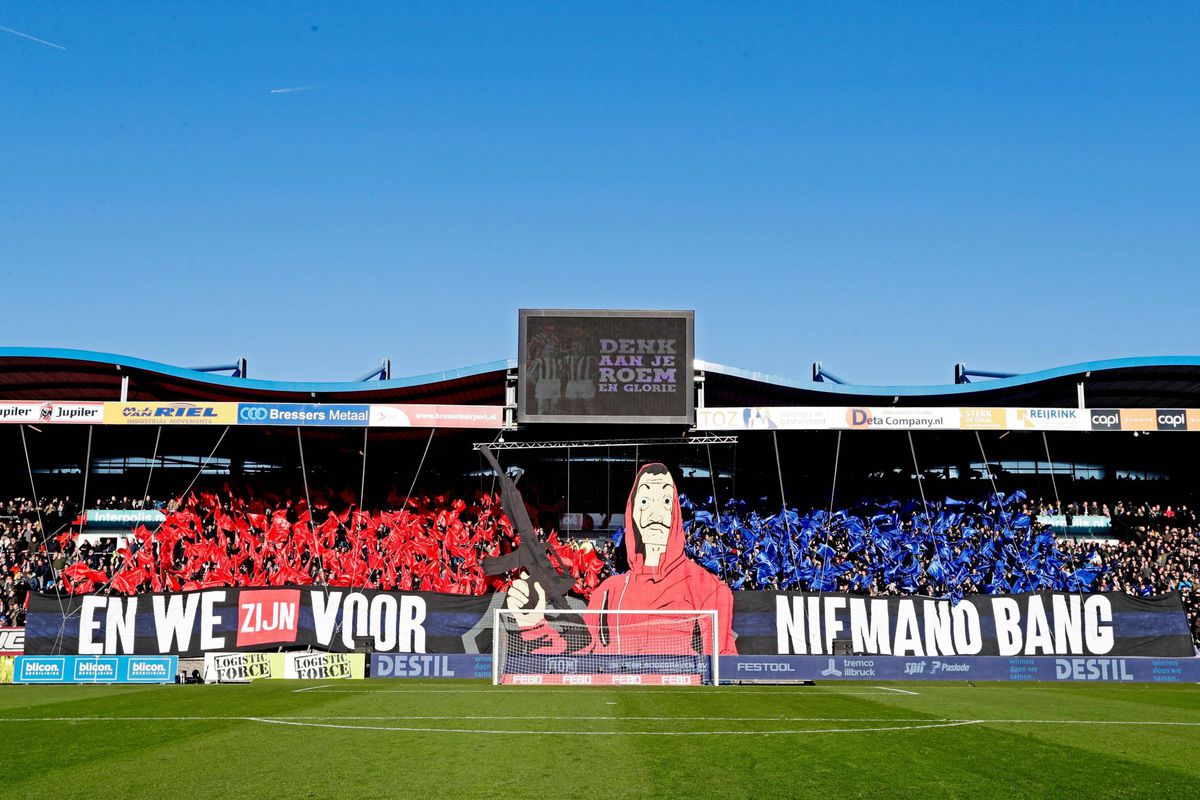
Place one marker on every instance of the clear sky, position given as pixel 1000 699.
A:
pixel 888 188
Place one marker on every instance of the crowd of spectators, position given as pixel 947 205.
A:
pixel 947 548
pixel 950 548
pixel 431 544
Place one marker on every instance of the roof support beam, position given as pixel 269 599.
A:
pixel 383 372
pixel 820 374
pixel 237 369
pixel 964 375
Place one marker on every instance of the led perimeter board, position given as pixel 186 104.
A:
pixel 595 366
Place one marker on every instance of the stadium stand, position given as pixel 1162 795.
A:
pixel 947 548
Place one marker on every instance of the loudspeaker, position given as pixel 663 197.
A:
pixel 843 647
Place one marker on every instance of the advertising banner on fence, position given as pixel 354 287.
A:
pixel 51 413
pixel 436 416
pixel 324 666
pixel 117 517
pixel 241 667
pixel 977 668
pixel 775 623
pixel 304 414
pixel 170 413
pixel 245 667
pixel 95 669
pixel 817 418
pixel 457 665
pixel 12 641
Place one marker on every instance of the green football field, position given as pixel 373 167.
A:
pixel 401 739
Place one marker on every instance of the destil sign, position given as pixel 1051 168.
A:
pixel 268 616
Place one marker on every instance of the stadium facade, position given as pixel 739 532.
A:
pixel 1038 460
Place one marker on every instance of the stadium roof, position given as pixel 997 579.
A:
pixel 58 374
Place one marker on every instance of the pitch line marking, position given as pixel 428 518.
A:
pixel 493 732
pixel 311 688
pixel 318 721
pixel 898 691
pixel 633 690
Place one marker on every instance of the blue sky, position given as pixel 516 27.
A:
pixel 888 188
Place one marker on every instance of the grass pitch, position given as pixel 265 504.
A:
pixel 456 739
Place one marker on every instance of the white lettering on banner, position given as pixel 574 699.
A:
pixel 1038 629
pixel 1007 614
pixel 415 667
pixel 1068 623
pixel 174 618
pixel 1092 669
pixel 938 638
pixel 789 627
pixel 908 637
pixel 88 625
pixel 209 621
pixel 1064 625
pixel 120 625
pixel 383 622
pixel 869 632
pixel 324 614
pixel 815 639
pixel 354 618
pixel 412 628
pixel 968 634
pixel 833 626
pixel 400 628
pixel 1098 633
pixel 282 618
pixel 940 629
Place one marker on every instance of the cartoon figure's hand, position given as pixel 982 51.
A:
pixel 528 614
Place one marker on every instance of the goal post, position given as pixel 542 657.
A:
pixel 586 647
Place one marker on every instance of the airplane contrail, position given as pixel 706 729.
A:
pixel 32 38
pixel 293 89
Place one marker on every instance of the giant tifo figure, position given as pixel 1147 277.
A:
pixel 660 577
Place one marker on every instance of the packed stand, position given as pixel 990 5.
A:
pixel 432 544
pixel 947 549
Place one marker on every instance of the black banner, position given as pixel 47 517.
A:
pixel 766 623
pixel 1034 624
pixel 222 620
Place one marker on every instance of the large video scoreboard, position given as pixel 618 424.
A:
pixel 606 366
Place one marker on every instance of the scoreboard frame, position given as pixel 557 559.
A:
pixel 685 376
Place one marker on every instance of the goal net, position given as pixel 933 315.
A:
pixel 599 648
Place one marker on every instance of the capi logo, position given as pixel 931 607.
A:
pixel 1172 419
pixel 1106 419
